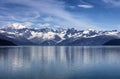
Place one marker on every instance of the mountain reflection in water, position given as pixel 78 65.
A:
pixel 61 62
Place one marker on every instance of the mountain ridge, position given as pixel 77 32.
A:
pixel 59 36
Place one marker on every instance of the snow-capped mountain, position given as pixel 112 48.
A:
pixel 22 35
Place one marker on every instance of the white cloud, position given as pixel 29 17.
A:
pixel 115 3
pixel 43 25
pixel 48 19
pixel 85 6
pixel 27 24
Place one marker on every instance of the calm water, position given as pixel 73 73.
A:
pixel 59 62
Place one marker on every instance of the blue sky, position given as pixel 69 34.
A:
pixel 81 14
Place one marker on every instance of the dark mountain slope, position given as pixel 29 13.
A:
pixel 98 40
pixel 4 42
pixel 113 42
pixel 17 41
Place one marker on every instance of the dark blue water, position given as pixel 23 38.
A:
pixel 59 62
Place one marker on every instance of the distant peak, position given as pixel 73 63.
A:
pixel 16 26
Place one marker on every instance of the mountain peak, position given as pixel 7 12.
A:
pixel 16 26
pixel 58 36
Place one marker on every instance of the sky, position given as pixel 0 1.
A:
pixel 80 14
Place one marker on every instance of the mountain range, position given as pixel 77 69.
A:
pixel 56 37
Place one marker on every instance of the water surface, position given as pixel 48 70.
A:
pixel 61 62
